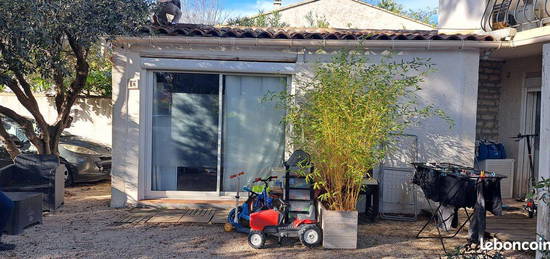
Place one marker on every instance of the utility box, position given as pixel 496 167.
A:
pixel 36 173
pixel 503 167
pixel 27 211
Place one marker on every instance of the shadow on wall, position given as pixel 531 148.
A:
pixel 452 149
pixel 125 176
pixel 87 109
pixel 443 141
pixel 124 173
pixel 423 146
pixel 443 89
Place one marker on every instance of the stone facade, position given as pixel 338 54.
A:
pixel 489 90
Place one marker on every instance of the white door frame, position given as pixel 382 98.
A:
pixel 195 66
pixel 523 159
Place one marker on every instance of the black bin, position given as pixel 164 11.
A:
pixel 372 202
pixel 27 211
pixel 36 173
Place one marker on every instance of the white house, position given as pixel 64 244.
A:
pixel 345 14
pixel 186 111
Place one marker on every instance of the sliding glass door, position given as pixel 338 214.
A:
pixel 253 139
pixel 185 132
pixel 206 127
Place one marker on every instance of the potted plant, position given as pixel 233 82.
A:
pixel 343 116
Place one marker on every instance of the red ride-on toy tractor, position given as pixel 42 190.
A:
pixel 272 222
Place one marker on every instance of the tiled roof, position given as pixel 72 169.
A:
pixel 194 30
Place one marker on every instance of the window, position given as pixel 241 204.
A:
pixel 186 135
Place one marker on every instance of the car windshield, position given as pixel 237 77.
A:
pixel 79 149
pixel 13 129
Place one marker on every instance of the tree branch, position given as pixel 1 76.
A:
pixel 27 98
pixel 81 74
pixel 60 88
pixel 14 87
pixel 58 75
pixel 32 107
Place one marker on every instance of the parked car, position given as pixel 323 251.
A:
pixel 85 160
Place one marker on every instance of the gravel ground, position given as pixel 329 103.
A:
pixel 84 228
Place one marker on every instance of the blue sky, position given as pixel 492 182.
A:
pixel 249 7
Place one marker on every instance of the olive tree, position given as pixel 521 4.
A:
pixel 52 40
pixel 426 15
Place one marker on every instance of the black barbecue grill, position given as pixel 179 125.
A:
pixel 457 187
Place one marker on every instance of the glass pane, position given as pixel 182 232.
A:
pixel 185 132
pixel 253 136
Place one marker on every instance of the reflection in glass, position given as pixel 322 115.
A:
pixel 185 132
pixel 253 139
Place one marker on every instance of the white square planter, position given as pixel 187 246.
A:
pixel 339 229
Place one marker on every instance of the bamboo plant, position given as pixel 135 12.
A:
pixel 346 113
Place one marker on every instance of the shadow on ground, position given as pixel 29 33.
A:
pixel 85 227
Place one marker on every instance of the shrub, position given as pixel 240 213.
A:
pixel 347 113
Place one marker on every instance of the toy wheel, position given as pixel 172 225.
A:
pixel 228 227
pixel 231 216
pixel 256 239
pixel 310 236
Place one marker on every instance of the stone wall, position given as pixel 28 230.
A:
pixel 489 90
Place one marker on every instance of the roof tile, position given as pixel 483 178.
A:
pixel 196 30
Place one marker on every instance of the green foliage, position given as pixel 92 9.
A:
pixel 540 191
pixel 390 5
pixel 426 15
pixel 272 20
pixel 347 114
pixel 98 83
pixel 52 46
pixel 35 33
pixel 316 21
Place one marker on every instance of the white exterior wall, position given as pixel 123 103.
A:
pixel 543 213
pixel 453 88
pixel 461 15
pixel 349 14
pixel 91 116
pixel 125 169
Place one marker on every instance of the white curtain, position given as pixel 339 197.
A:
pixel 253 139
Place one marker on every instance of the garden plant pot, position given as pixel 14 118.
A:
pixel 339 229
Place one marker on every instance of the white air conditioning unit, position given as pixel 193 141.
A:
pixel 503 167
